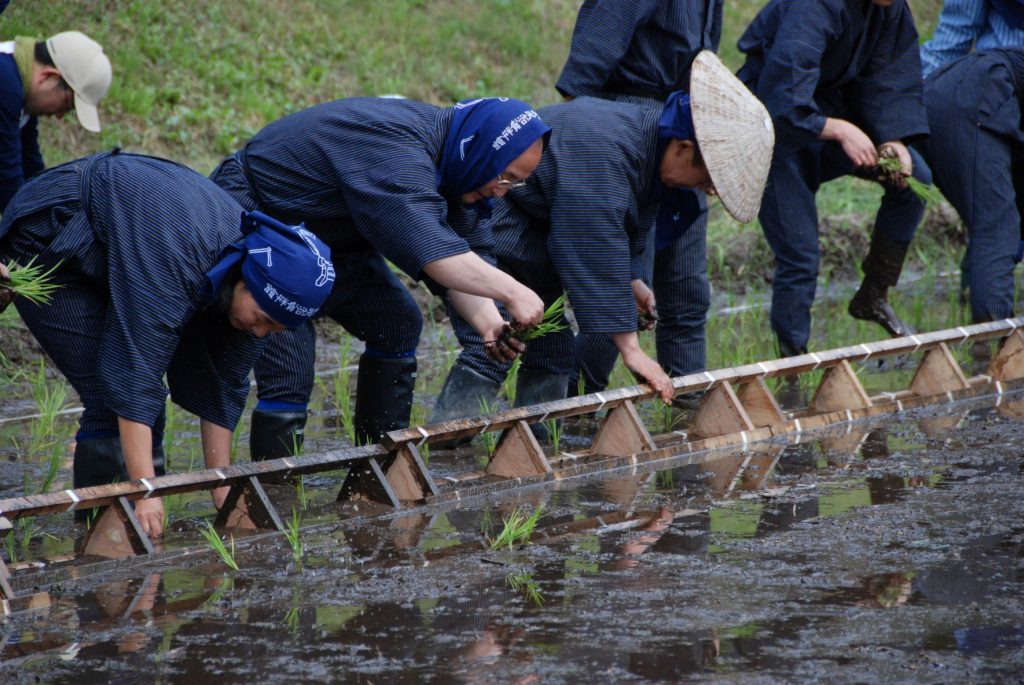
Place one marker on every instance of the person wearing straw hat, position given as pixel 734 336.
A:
pixel 156 276
pixel 65 72
pixel 641 52
pixel 976 152
pixel 578 225
pixel 842 80
pixel 395 179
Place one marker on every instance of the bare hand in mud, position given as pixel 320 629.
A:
pixel 506 347
pixel 651 371
pixel 647 321
pixel 7 295
pixel 647 318
pixel 150 513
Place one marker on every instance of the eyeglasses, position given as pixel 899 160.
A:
pixel 509 184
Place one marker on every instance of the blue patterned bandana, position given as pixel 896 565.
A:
pixel 486 135
pixel 287 269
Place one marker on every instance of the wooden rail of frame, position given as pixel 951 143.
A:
pixel 738 409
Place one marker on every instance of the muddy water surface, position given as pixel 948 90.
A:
pixel 889 552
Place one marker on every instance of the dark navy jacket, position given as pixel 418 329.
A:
pixel 583 208
pixel 139 234
pixel 638 47
pixel 812 59
pixel 362 174
pixel 20 158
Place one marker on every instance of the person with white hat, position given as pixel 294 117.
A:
pixel 842 79
pixel 577 226
pixel 641 51
pixel 66 72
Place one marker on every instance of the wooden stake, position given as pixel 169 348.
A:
pixel 839 389
pixel 1009 362
pixel 720 413
pixel 938 373
pixel 623 433
pixel 409 477
pixel 5 580
pixel 760 404
pixel 247 507
pixel 518 454
pixel 117 533
pixel 367 482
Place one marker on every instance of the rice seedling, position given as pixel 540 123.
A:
pixel 293 534
pixel 11 545
pixel 508 388
pixel 523 582
pixel 665 480
pixel 554 428
pixel 490 438
pixel 342 395
pixel 291 620
pixel 300 492
pixel 668 419
pixel 517 528
pixel 553 321
pixel 928 194
pixel 217 544
pixel 33 282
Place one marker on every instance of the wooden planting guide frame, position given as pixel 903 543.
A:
pixel 738 410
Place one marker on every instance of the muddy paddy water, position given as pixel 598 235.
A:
pixel 881 552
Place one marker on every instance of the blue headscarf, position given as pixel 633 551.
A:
pixel 287 269
pixel 487 134
pixel 678 208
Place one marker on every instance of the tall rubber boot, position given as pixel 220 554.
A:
pixel 101 462
pixel 465 393
pixel 882 269
pixel 276 434
pixel 384 392
pixel 534 387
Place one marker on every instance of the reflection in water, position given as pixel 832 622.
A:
pixel 629 578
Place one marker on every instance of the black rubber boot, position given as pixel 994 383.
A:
pixel 101 462
pixel 787 349
pixel 882 269
pixel 534 387
pixel 465 393
pixel 276 434
pixel 384 393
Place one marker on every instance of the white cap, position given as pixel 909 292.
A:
pixel 735 135
pixel 86 69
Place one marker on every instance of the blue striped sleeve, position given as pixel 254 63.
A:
pixel 603 33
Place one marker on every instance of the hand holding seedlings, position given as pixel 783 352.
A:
pixel 553 321
pixel 7 294
pixel 508 345
pixel 648 312
pixel 29 281
pixel 150 513
pixel 895 170
pixel 894 175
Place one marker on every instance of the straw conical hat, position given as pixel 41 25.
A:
pixel 735 135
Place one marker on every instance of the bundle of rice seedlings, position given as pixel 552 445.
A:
pixel 32 282
pixel 552 322
pixel 925 192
